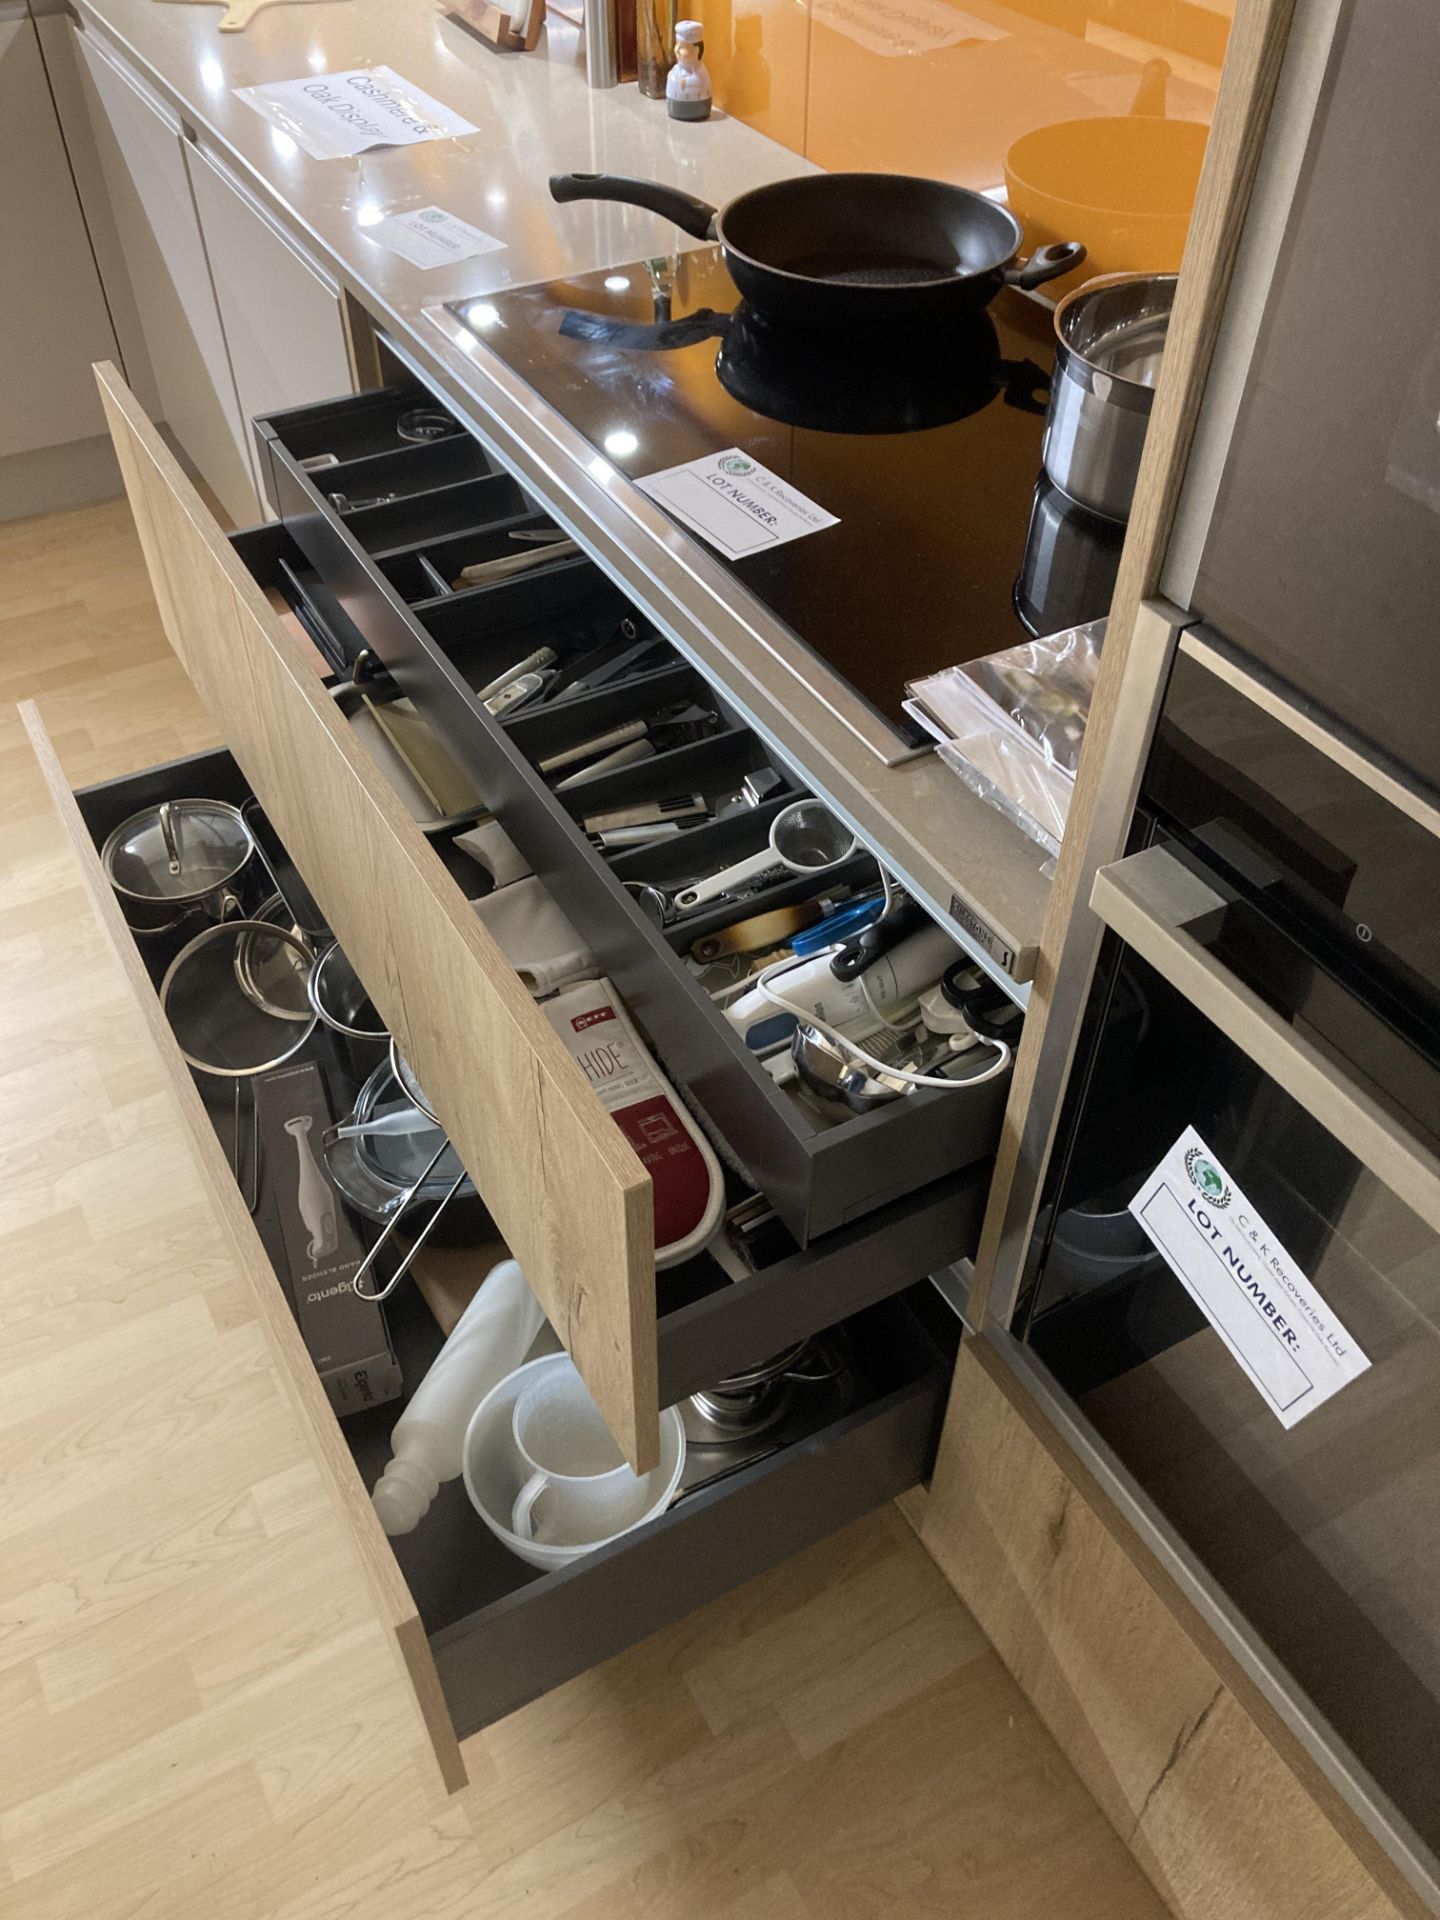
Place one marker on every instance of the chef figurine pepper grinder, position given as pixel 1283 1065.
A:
pixel 687 85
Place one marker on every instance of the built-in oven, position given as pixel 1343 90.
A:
pixel 1235 1276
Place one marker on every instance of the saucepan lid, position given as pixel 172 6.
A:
pixel 178 850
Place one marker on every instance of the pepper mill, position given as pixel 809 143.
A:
pixel 687 85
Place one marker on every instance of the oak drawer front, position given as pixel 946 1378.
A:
pixel 394 1605
pixel 441 647
pixel 479 1633
pixel 563 1185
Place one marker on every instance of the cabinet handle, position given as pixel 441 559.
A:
pixel 1151 901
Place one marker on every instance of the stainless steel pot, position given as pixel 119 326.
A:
pixel 1111 339
pixel 338 996
pixel 182 865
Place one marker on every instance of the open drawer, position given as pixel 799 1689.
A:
pixel 399 564
pixel 569 1196
pixel 479 1632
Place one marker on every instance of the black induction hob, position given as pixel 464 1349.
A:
pixel 927 448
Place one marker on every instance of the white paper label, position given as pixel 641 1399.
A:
pixel 330 115
pixel 735 503
pixel 430 237
pixel 896 28
pixel 1275 1324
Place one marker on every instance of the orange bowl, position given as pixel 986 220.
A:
pixel 1124 184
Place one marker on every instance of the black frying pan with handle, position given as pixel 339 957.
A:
pixel 847 248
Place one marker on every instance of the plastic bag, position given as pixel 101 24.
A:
pixel 1011 725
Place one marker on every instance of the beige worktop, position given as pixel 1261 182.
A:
pixel 535 115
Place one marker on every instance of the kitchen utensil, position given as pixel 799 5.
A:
pixel 305 916
pixel 648 813
pixel 236 997
pixel 494 1473
pixel 652 902
pixel 245 1166
pixel 847 249
pixel 342 1005
pixel 1125 183
pixel 484 572
pixel 532 663
pixel 384 1125
pixel 402 1073
pixel 238 14
pixel 837 926
pixel 448 789
pixel 616 839
pixel 180 864
pixel 864 948
pixel 519 693
pixel 805 837
pixel 487 1343
pixel 758 933
pixel 421 1237
pixel 1110 337
pixel 627 733
pixel 315 1196
pixel 422 424
pixel 580 1487
pixel 342 502
pixel 757 787
pixel 628 755
pixel 375 1154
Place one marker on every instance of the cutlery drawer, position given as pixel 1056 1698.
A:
pixel 477 1632
pixel 564 1188
pixel 442 650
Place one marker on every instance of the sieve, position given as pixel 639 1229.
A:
pixel 805 837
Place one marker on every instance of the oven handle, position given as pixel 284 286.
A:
pixel 1151 901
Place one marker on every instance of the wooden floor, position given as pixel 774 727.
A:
pixel 197 1715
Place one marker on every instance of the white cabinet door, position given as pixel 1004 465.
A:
pixel 283 320
pixel 142 150
pixel 53 321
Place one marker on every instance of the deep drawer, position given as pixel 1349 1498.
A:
pixel 707 1324
pixel 498 1633
pixel 441 647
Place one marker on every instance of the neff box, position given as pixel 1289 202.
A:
pixel 313 1245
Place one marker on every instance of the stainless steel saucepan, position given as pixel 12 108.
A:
pixel 1110 341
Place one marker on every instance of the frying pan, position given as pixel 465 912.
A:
pixel 848 248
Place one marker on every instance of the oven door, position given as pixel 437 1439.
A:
pixel 1316 1512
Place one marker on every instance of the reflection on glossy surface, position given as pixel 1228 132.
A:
pixel 1071 559
pixel 902 384
pixel 925 446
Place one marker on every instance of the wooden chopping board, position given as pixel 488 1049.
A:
pixel 239 13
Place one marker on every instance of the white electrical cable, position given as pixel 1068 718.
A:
pixel 762 981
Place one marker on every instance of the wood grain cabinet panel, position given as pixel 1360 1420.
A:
pixel 563 1185
pixel 141 152
pixel 1189 1779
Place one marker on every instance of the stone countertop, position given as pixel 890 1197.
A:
pixel 535 115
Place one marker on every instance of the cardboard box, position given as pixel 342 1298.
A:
pixel 313 1245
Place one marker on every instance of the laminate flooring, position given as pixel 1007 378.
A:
pixel 198 1713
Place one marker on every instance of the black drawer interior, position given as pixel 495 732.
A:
pixel 444 647
pixel 503 1633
